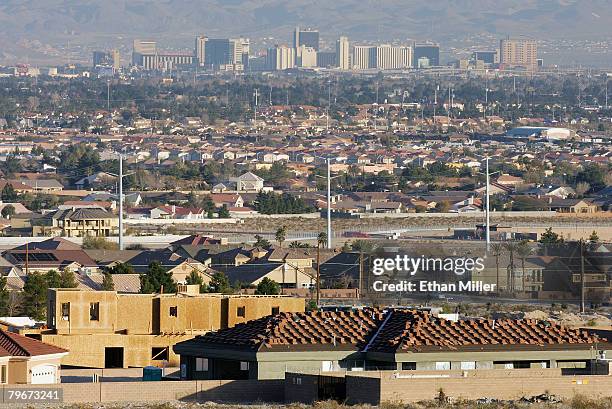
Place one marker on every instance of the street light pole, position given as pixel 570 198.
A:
pixel 329 229
pixel 120 201
pixel 487 209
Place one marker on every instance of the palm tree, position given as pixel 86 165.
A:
pixel 523 251
pixel 511 247
pixel 281 235
pixel 321 240
pixel 497 252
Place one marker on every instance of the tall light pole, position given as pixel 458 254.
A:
pixel 120 201
pixel 256 100
pixel 487 210
pixel 329 229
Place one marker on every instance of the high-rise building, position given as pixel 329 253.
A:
pixel 222 53
pixel 307 57
pixel 390 57
pixel 343 52
pixel 142 48
pixel 281 57
pixel 327 59
pixel 200 50
pixel 110 58
pixel 427 50
pixel 364 57
pixel 146 56
pixel 518 53
pixel 307 37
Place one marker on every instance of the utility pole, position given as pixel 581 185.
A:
pixel 120 201
pixel 256 100
pixel 108 95
pixel 318 296
pixel 328 103
pixel 329 228
pixel 487 210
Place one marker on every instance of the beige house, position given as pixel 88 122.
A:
pixel 79 222
pixel 25 360
pixel 104 329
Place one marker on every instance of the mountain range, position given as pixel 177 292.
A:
pixel 44 27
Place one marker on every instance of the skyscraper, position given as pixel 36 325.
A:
pixel 142 48
pixel 307 57
pixel 518 53
pixel 390 57
pixel 364 57
pixel 343 53
pixel 308 38
pixel 281 57
pixel 427 50
pixel 200 50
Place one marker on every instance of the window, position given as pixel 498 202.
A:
pixel 244 366
pixel 275 310
pixel 468 365
pixel 297 381
pixel 94 311
pixel 201 364
pixel 443 366
pixel 241 312
pixel 3 374
pixel 66 311
pixel 159 354
pixel 174 311
pixel 408 366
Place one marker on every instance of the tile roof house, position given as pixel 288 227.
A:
pixel 379 339
pixel 25 360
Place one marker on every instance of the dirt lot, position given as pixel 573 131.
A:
pixel 542 402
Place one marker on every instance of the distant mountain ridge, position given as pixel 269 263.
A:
pixel 103 21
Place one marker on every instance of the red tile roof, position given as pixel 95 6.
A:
pixel 391 331
pixel 416 330
pixel 12 344
pixel 334 329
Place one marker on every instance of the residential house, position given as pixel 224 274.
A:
pixel 572 206
pixel 177 212
pixel 248 182
pixel 98 179
pixel 372 339
pixel 52 254
pixel 25 360
pixel 79 222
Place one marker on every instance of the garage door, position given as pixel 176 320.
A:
pixel 44 374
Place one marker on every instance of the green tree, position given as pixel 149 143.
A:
pixel 224 212
pixel 107 282
pixel 281 235
pixel 53 279
pixel 261 242
pixel 550 237
pixel 121 268
pixel 35 296
pixel 195 278
pixel 8 193
pixel 268 287
pixel 298 245
pixel 157 280
pixel 4 298
pixel 594 237
pixel 67 279
pixel 220 284
pixel 8 211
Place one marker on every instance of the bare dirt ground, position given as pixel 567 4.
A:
pixel 537 402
